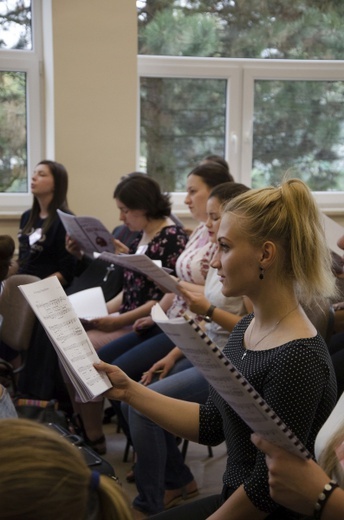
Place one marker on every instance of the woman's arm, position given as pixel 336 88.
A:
pixel 297 483
pixel 112 323
pixel 163 366
pixel 178 417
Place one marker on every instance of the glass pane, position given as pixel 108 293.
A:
pixel 13 135
pixel 299 125
pixel 182 120
pixel 15 24
pixel 302 29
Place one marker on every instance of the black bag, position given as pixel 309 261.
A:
pixel 93 460
pixel 41 411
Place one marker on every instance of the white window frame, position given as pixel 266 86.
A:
pixel 30 62
pixel 241 75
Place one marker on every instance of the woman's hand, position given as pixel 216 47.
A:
pixel 73 247
pixel 120 381
pixel 162 367
pixel 294 482
pixel 142 324
pixel 196 301
pixel 105 324
pixel 120 248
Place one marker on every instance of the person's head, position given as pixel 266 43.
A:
pixel 274 234
pixel 139 200
pixel 49 181
pixel 199 184
pixel 44 476
pixel 217 198
pixel 216 159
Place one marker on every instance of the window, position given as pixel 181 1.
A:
pixel 20 109
pixel 275 104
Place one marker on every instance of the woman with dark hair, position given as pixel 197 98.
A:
pixel 41 235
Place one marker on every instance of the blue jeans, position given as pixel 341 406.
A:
pixel 135 353
pixel 160 464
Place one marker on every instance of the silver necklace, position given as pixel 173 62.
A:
pixel 269 331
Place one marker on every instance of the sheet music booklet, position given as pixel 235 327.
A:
pixel 73 347
pixel 145 265
pixel 228 381
pixel 89 232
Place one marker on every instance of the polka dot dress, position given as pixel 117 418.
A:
pixel 296 379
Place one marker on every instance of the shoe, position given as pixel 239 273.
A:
pixel 130 476
pixel 178 495
pixel 98 445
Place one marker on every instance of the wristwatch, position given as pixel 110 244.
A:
pixel 208 316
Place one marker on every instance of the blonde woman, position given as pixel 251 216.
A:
pixel 45 477
pixel 278 260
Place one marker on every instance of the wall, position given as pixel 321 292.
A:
pixel 94 102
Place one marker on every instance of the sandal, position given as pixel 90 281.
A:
pixel 130 476
pixel 184 495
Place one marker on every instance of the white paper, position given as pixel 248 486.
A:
pixel 89 304
pixel 145 265
pixel 74 349
pixel 89 232
pixel 333 232
pixel 228 381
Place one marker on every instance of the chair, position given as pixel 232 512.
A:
pixel 18 317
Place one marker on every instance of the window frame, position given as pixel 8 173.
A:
pixel 241 75
pixel 30 62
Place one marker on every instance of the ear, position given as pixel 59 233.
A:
pixel 268 254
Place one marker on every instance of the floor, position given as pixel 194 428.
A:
pixel 206 470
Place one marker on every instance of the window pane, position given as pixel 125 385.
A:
pixel 182 120
pixel 13 140
pixel 299 125
pixel 15 24
pixel 302 29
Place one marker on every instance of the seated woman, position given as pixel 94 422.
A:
pixel 42 235
pixel 161 475
pixel 143 207
pixel 276 348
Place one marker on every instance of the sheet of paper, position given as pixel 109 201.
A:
pixel 76 352
pixel 333 231
pixel 89 232
pixel 144 265
pixel 89 304
pixel 227 381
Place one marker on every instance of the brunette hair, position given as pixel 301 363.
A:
pixel 212 173
pixel 138 191
pixel 227 191
pixel 44 476
pixel 289 216
pixel 59 200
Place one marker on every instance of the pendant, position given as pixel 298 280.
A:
pixel 244 354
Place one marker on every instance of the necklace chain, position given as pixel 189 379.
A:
pixel 269 331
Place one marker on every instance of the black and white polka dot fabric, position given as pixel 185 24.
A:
pixel 296 379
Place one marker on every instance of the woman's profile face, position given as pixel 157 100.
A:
pixel 42 182
pixel 236 260
pixel 134 219
pixel 196 197
pixel 214 217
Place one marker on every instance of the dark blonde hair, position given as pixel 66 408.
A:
pixel 289 216
pixel 45 477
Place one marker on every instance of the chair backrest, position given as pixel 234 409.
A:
pixel 18 317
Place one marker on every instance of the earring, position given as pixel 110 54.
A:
pixel 261 275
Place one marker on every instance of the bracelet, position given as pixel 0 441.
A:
pixel 209 314
pixel 323 497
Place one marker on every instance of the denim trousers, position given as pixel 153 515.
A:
pixel 160 464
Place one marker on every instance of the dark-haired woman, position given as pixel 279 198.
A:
pixel 41 235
